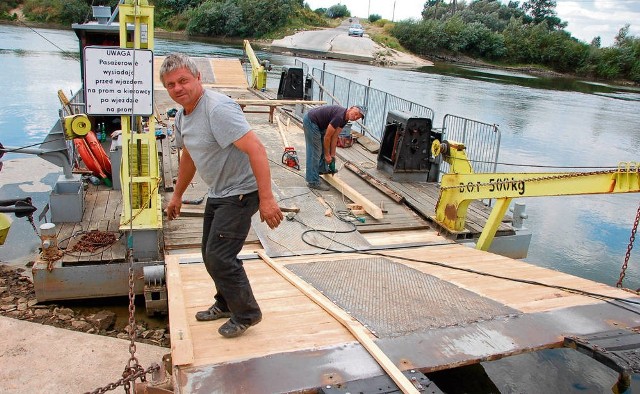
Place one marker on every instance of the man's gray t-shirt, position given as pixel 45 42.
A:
pixel 209 132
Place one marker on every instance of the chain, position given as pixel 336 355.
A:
pixel 133 361
pixel 133 370
pixel 128 376
pixel 538 179
pixel 33 224
pixel 146 205
pixel 629 247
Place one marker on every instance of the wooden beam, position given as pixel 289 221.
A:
pixel 278 102
pixel 371 208
pixel 358 331
pixel 181 344
pixel 374 182
pixel 283 132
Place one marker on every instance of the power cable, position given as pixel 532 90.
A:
pixel 603 297
pixel 68 54
pixel 4 150
pixel 535 165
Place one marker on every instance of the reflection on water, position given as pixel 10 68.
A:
pixel 520 79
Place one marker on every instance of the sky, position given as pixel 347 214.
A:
pixel 587 18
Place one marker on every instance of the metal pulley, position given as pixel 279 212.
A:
pixel 76 126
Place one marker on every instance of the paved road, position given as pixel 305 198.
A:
pixel 334 43
pixel 37 358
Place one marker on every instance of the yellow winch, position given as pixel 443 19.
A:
pixel 76 126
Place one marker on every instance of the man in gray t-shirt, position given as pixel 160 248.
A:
pixel 218 142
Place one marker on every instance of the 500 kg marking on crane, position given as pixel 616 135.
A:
pixel 495 185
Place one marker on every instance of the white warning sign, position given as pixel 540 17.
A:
pixel 118 81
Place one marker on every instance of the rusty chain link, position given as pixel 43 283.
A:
pixel 632 239
pixel 146 205
pixel 132 309
pixel 128 376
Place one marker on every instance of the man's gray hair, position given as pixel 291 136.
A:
pixel 176 60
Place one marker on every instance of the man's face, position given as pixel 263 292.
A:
pixel 183 87
pixel 353 114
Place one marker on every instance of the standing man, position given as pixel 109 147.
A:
pixel 218 142
pixel 321 128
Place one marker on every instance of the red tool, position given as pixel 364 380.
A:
pixel 290 158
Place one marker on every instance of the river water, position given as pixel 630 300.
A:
pixel 543 122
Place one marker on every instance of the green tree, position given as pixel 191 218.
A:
pixel 338 11
pixel 434 9
pixel 56 11
pixel 544 11
pixel 214 18
pixel 374 17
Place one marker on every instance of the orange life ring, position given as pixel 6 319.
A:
pixel 87 157
pixel 98 152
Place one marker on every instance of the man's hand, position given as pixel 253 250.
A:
pixel 270 213
pixel 173 208
pixel 328 159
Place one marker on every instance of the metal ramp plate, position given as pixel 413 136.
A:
pixel 392 299
pixel 206 73
pixel 382 385
pixel 309 231
pixel 617 349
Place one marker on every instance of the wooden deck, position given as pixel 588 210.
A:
pixel 314 334
pixel 300 346
pixel 309 348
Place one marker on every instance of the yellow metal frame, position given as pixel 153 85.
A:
pixel 258 72
pixel 140 171
pixel 457 190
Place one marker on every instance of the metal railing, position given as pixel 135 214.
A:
pixel 482 140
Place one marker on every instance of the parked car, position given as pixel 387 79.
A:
pixel 356 30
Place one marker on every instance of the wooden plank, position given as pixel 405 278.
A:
pixel 374 182
pixel 181 343
pixel 282 131
pixel 349 322
pixel 228 72
pixel 261 102
pixel 369 144
pixel 166 162
pixel 355 196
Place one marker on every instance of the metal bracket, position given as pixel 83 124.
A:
pixel 617 349
pixel 382 384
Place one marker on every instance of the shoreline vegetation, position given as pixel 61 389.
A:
pixel 527 37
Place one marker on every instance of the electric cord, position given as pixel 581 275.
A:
pixel 602 297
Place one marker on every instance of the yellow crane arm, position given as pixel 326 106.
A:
pixel 459 189
pixel 258 72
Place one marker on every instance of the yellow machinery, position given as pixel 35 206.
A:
pixel 258 70
pixel 5 225
pixel 139 174
pixel 462 186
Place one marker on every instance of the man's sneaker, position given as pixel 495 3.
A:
pixel 231 329
pixel 213 313
pixel 318 186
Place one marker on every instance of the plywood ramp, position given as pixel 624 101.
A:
pixel 229 73
pixel 300 346
pixel 223 73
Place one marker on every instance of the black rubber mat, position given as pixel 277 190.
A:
pixel 392 299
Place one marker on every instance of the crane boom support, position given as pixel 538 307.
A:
pixel 459 189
